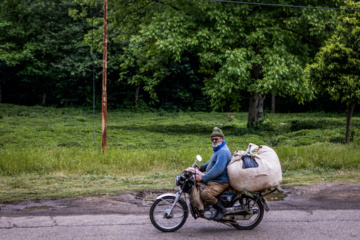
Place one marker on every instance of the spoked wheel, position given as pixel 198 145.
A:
pixel 167 221
pixel 251 217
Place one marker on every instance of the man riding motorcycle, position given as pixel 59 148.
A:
pixel 216 176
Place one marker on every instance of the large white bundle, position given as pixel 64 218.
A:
pixel 268 174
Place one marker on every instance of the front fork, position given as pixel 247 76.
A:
pixel 177 197
pixel 168 212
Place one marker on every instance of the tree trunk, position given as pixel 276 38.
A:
pixel 349 113
pixel 256 103
pixel 256 109
pixel 0 95
pixel 272 103
pixel 44 99
pixel 137 90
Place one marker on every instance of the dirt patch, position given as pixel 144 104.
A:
pixel 320 196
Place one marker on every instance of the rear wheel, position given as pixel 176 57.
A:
pixel 252 215
pixel 167 221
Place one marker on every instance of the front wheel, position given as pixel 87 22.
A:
pixel 167 221
pixel 251 216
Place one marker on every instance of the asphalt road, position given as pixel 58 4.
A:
pixel 318 224
pixel 324 211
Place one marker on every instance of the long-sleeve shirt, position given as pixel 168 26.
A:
pixel 216 168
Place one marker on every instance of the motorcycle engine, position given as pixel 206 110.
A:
pixel 210 213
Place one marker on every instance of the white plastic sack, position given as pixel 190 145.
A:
pixel 268 174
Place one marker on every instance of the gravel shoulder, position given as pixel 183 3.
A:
pixel 325 196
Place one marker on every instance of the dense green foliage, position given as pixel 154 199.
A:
pixel 336 69
pixel 45 58
pixel 42 56
pixel 241 48
pixel 244 51
pixel 174 55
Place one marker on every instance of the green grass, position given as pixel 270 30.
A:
pixel 50 152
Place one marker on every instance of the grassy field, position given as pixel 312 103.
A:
pixel 51 152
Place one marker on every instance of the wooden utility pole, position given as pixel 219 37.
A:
pixel 104 76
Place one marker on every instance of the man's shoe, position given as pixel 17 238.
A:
pixel 220 210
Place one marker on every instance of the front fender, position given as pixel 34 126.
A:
pixel 166 195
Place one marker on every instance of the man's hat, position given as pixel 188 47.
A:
pixel 217 132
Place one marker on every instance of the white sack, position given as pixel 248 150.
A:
pixel 268 174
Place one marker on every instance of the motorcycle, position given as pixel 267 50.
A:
pixel 244 210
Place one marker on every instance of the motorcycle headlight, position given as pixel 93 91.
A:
pixel 178 181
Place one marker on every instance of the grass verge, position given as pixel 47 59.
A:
pixel 51 153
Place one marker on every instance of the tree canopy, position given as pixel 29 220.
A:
pixel 336 69
pixel 243 50
pixel 41 50
pixel 170 54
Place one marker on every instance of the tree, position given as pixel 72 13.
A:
pixel 124 18
pixel 243 50
pixel 41 46
pixel 337 66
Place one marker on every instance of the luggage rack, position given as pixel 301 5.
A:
pixel 260 192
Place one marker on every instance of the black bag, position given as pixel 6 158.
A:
pixel 249 161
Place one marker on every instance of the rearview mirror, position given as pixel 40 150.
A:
pixel 199 158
